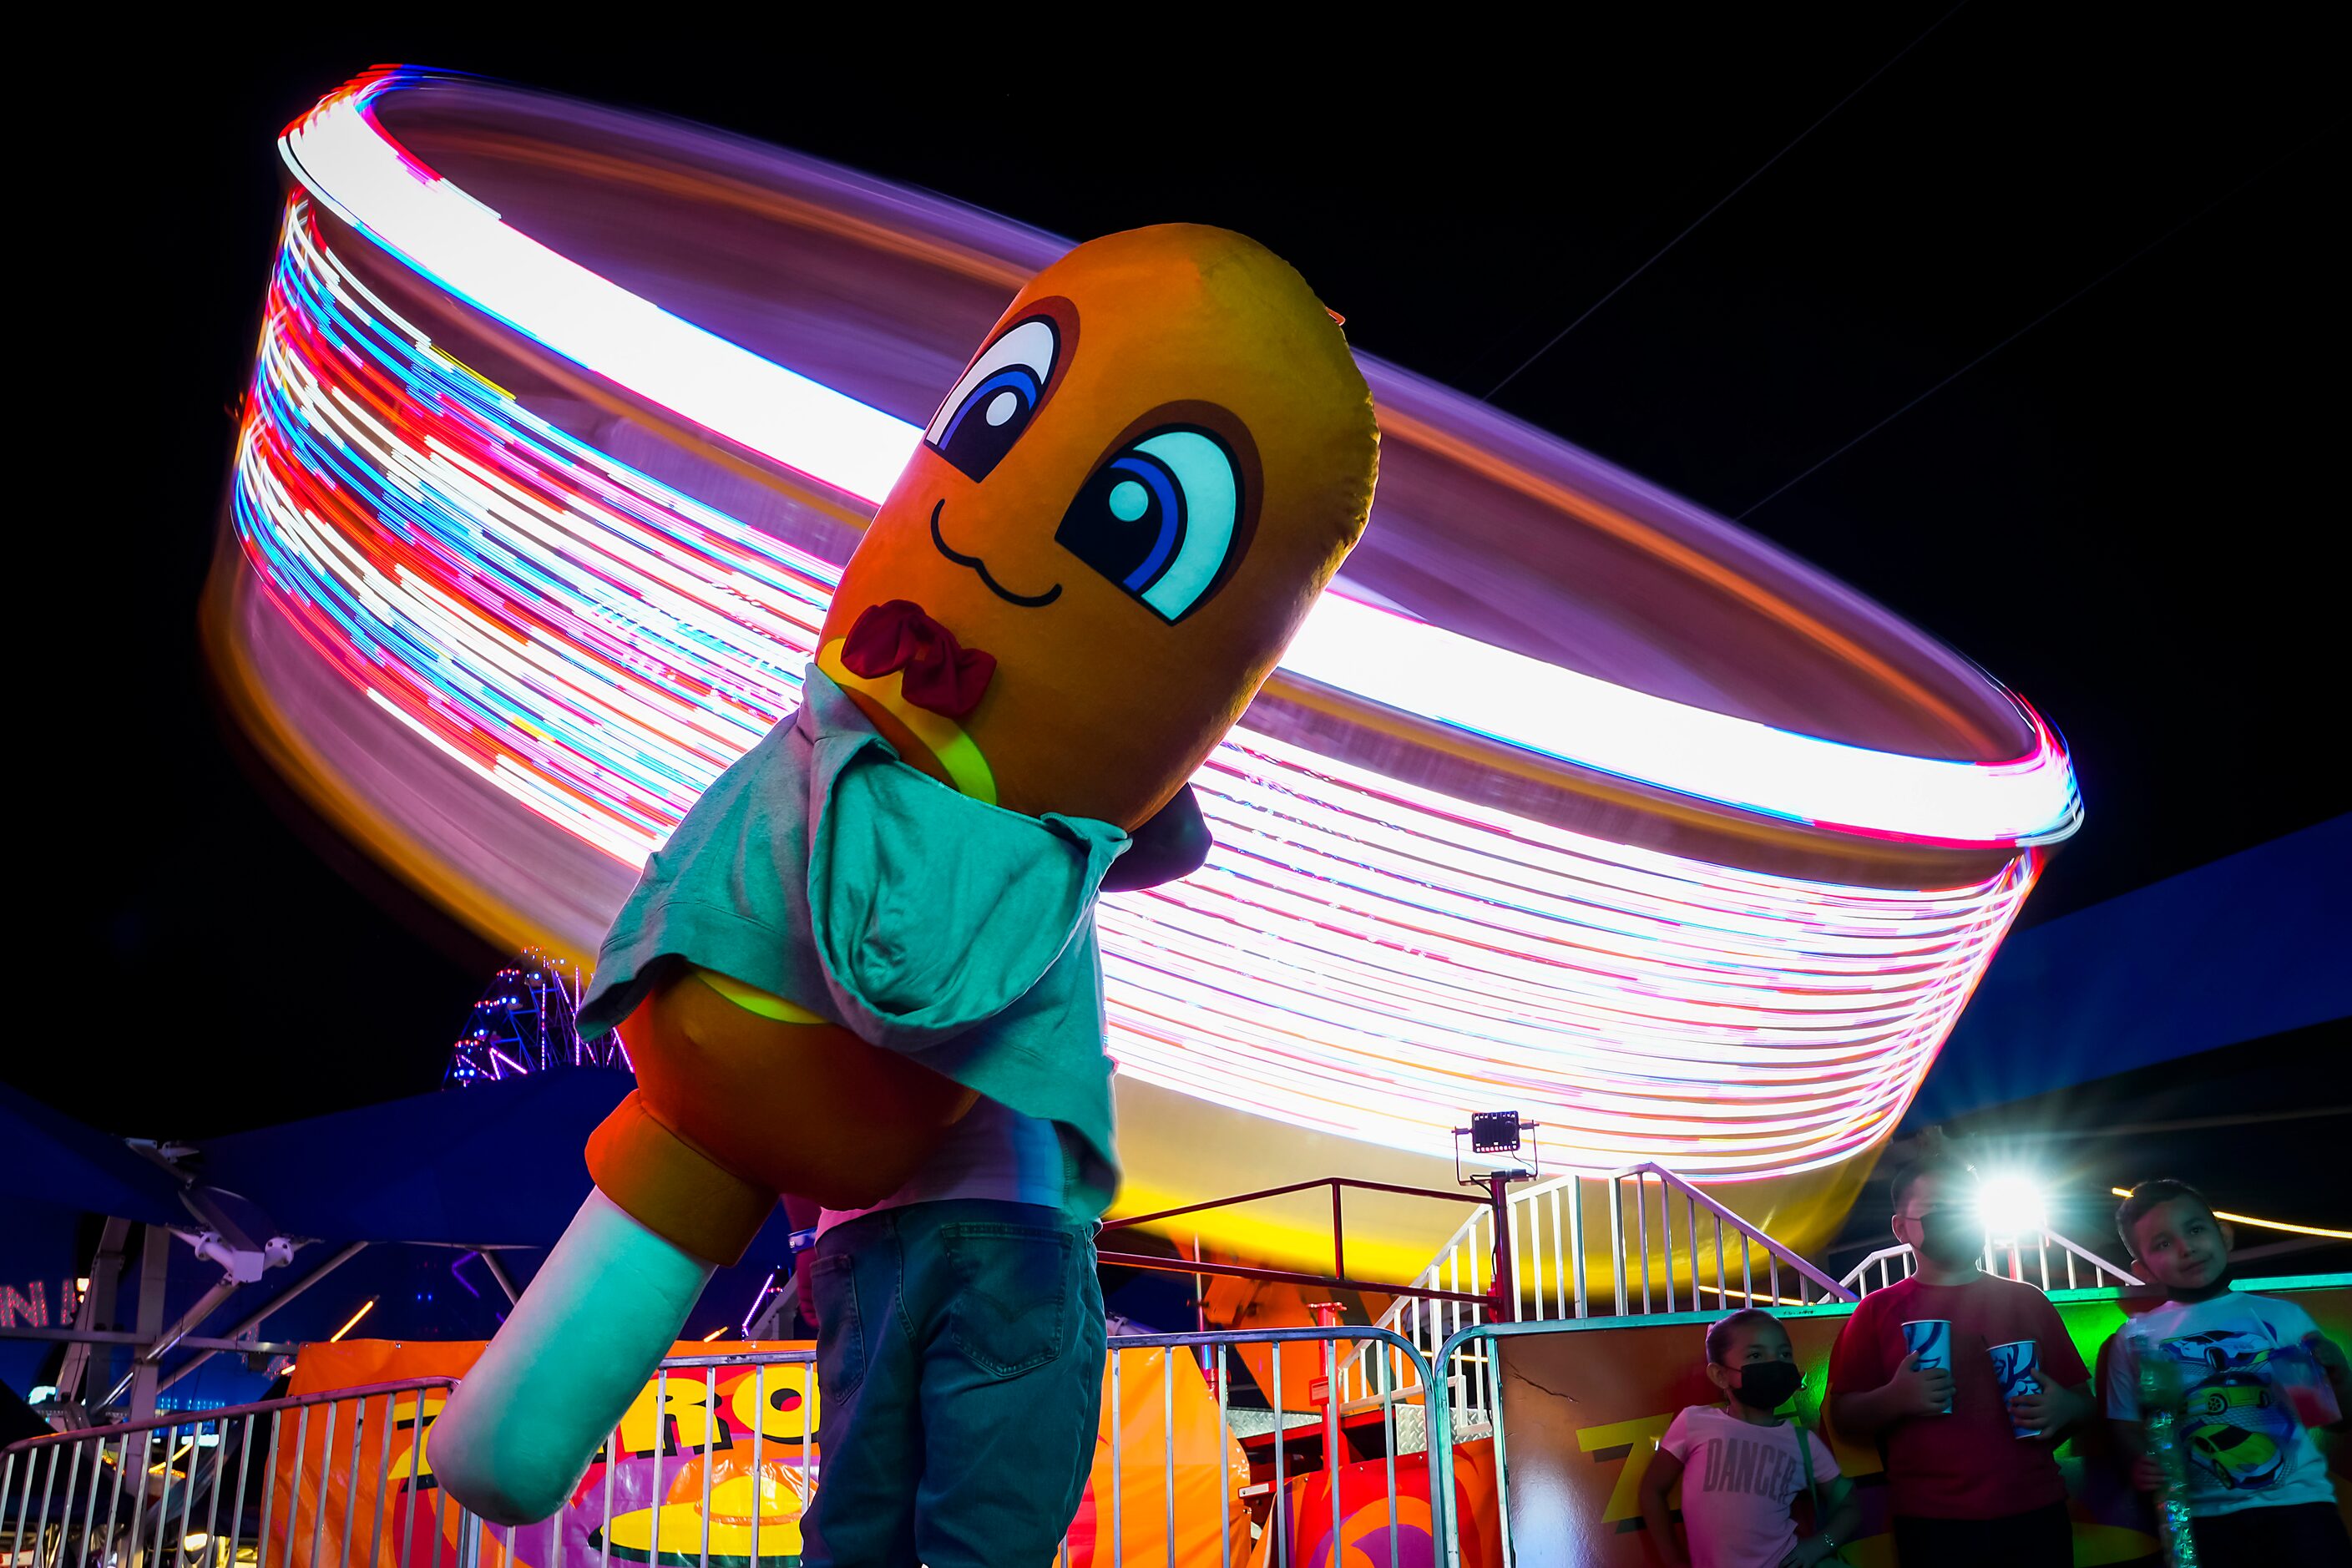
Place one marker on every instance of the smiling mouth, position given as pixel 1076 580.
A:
pixel 1026 601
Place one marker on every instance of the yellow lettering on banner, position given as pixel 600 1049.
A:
pixel 681 1423
pixel 414 1416
pixel 790 1391
pixel 1639 1438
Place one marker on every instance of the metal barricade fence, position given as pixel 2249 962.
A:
pixel 1462 1264
pixel 235 1478
pixel 1669 1247
pixel 1399 1358
pixel 1215 1349
pixel 282 1484
pixel 1443 1433
pixel 682 1403
pixel 1481 1343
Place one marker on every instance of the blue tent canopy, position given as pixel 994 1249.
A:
pixel 2246 947
pixel 55 1160
pixel 496 1164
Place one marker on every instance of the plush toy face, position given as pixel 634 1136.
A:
pixel 1129 500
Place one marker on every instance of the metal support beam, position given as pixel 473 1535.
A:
pixel 154 1272
pixel 152 1351
pixel 1282 1276
pixel 205 1350
pixel 190 1320
pixel 125 1337
pixel 506 1280
pixel 96 1306
pixel 253 1320
pixel 141 1381
pixel 1505 1276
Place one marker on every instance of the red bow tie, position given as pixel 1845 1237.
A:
pixel 940 674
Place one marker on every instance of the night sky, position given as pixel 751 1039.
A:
pixel 2125 513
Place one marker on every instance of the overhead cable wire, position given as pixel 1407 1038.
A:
pixel 1488 395
pixel 1789 484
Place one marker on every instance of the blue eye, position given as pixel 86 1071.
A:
pixel 1159 519
pixel 991 403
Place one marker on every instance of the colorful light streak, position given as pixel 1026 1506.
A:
pixel 1360 956
pixel 346 160
pixel 353 1321
pixel 2324 1232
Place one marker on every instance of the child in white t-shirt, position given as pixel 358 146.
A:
pixel 2254 1375
pixel 1741 1467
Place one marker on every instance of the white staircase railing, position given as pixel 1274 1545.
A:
pixel 2024 1257
pixel 1464 1263
pixel 1633 1241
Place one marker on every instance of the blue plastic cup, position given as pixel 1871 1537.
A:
pixel 2013 1367
pixel 1930 1339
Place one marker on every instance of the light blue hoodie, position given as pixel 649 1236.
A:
pixel 823 870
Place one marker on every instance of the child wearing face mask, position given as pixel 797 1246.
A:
pixel 1741 1467
pixel 2255 1376
pixel 1966 1487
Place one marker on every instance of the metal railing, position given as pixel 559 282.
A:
pixel 1657 1242
pixel 1157 1358
pixel 286 1483
pixel 1396 1354
pixel 2025 1257
pixel 1121 1517
pixel 235 1479
pixel 1461 1268
pixel 1481 1341
pixel 1338 1280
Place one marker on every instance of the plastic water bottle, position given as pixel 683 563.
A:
pixel 2159 1422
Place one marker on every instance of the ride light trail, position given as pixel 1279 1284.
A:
pixel 1361 956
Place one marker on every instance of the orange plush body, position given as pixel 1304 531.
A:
pixel 1117 519
pixel 1176 364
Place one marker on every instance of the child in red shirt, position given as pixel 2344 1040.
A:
pixel 1966 1488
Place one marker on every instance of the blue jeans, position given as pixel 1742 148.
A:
pixel 960 1364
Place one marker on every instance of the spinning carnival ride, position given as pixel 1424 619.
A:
pixel 1571 798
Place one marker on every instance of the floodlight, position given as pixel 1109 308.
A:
pixel 2011 1204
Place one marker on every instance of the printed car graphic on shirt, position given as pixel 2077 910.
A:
pixel 2244 1460
pixel 2239 1431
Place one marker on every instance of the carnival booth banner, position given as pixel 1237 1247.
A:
pixel 732 1446
pixel 1583 1410
pixel 1135 1490
pixel 723 1456
pixel 1373 1532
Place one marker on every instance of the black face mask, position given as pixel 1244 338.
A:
pixel 1951 1237
pixel 1768 1384
pixel 2220 1284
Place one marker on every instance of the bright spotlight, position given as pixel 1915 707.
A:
pixel 2011 1205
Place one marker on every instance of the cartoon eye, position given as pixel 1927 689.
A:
pixel 1160 518
pixel 991 404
